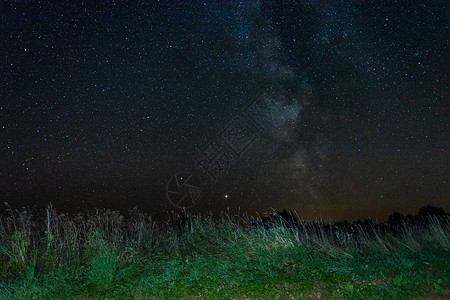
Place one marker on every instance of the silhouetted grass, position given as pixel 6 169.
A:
pixel 102 255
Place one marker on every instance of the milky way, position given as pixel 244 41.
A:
pixel 102 103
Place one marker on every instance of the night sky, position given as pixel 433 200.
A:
pixel 102 102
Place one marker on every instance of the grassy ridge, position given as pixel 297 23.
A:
pixel 102 255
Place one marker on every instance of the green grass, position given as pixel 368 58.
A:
pixel 93 256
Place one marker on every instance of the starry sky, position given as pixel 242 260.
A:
pixel 102 103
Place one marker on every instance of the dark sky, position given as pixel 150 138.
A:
pixel 101 103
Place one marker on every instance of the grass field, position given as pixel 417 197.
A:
pixel 103 255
